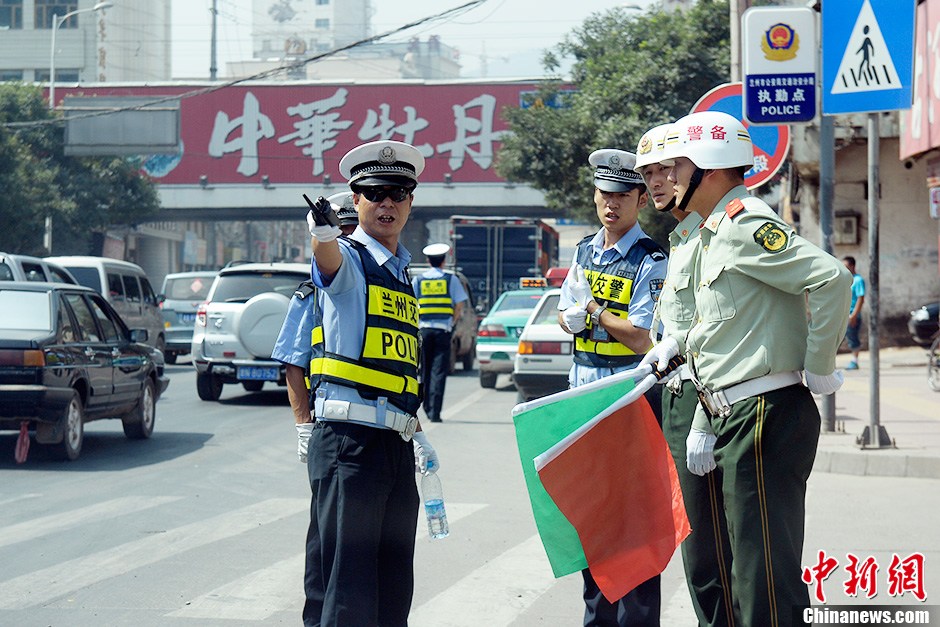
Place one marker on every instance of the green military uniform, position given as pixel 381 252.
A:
pixel 756 279
pixel 706 553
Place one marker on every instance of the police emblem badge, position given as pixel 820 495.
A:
pixel 771 237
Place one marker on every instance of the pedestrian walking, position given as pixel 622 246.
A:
pixel 440 302
pixel 367 441
pixel 855 312
pixel 706 552
pixel 607 304
pixel 750 339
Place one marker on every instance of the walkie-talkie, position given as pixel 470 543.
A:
pixel 323 214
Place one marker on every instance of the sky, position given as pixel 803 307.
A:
pixel 506 37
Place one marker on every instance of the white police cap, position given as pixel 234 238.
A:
pixel 344 207
pixel 613 170
pixel 436 250
pixel 383 162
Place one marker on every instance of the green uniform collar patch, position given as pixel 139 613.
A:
pixel 771 237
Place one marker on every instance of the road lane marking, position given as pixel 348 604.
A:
pixel 278 587
pixel 494 594
pixel 44 585
pixel 38 527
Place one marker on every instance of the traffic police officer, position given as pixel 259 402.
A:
pixel 607 303
pixel 292 347
pixel 440 301
pixel 706 552
pixel 366 442
pixel 749 340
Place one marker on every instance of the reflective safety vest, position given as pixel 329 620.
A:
pixel 388 363
pixel 434 299
pixel 613 284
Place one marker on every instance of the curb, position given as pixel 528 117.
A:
pixel 877 463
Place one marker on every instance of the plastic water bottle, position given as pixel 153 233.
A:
pixel 434 506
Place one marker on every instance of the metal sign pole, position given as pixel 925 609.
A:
pixel 875 432
pixel 827 168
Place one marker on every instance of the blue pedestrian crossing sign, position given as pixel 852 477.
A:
pixel 867 55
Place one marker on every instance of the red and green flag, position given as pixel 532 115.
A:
pixel 601 481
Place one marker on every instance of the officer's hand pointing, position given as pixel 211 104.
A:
pixel 824 384
pixel 322 220
pixel 426 461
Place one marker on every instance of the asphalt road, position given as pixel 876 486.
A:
pixel 203 524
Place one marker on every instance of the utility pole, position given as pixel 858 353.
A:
pixel 736 9
pixel 213 65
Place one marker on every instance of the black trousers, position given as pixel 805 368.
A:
pixel 435 362
pixel 363 518
pixel 706 553
pixel 641 606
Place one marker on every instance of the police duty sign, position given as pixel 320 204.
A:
pixel 780 61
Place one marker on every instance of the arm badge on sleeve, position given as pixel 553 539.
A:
pixel 771 237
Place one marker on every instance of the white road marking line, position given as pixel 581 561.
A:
pixel 278 587
pixel 20 497
pixel 42 586
pixel 37 527
pixel 494 594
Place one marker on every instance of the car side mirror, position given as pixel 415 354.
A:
pixel 139 336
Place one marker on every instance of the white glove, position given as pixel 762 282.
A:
pixel 323 233
pixel 661 353
pixel 699 452
pixel 575 318
pixel 580 287
pixel 824 384
pixel 426 461
pixel 304 431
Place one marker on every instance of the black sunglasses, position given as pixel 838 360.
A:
pixel 378 194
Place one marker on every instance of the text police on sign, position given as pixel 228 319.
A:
pixel 779 65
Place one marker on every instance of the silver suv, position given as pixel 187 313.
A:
pixel 238 324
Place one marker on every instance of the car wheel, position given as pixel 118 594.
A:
pixel 208 387
pixel 169 358
pixel 138 423
pixel 252 386
pixel 160 345
pixel 468 359
pixel 73 426
pixel 488 379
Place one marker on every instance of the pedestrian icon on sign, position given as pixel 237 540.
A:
pixel 875 70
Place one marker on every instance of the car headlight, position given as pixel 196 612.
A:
pixel 920 315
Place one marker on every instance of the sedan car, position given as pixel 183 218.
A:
pixel 545 353
pixel 179 299
pixel 67 358
pixel 923 323
pixel 498 334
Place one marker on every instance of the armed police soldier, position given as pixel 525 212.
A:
pixel 706 553
pixel 607 303
pixel 440 301
pixel 366 442
pixel 749 341
pixel 293 344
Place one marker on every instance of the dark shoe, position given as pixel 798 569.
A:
pixel 436 420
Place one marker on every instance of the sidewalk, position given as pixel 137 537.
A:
pixel 909 412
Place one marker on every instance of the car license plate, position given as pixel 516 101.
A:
pixel 187 318
pixel 257 373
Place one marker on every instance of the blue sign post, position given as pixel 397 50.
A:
pixel 867 55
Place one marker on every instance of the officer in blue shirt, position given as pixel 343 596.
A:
pixel 292 347
pixel 440 302
pixel 366 442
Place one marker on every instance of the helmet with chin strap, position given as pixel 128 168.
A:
pixel 649 151
pixel 711 140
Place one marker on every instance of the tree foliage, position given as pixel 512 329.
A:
pixel 83 195
pixel 631 72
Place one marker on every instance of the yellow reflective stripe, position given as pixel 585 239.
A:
pixel 316 336
pixel 437 310
pixel 613 348
pixel 609 287
pixel 388 344
pixel 434 286
pixel 434 301
pixel 393 305
pixel 363 375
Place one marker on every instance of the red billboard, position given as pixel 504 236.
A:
pixel 297 133
pixel 920 126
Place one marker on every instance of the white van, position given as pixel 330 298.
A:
pixel 27 268
pixel 126 288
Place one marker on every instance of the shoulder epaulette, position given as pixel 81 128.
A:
pixel 734 207
pixel 305 289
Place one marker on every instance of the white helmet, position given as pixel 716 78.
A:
pixel 650 148
pixel 712 140
pixel 345 209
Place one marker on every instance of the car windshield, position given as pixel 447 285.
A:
pixel 238 288
pixel 188 288
pixel 548 312
pixel 517 302
pixel 25 311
